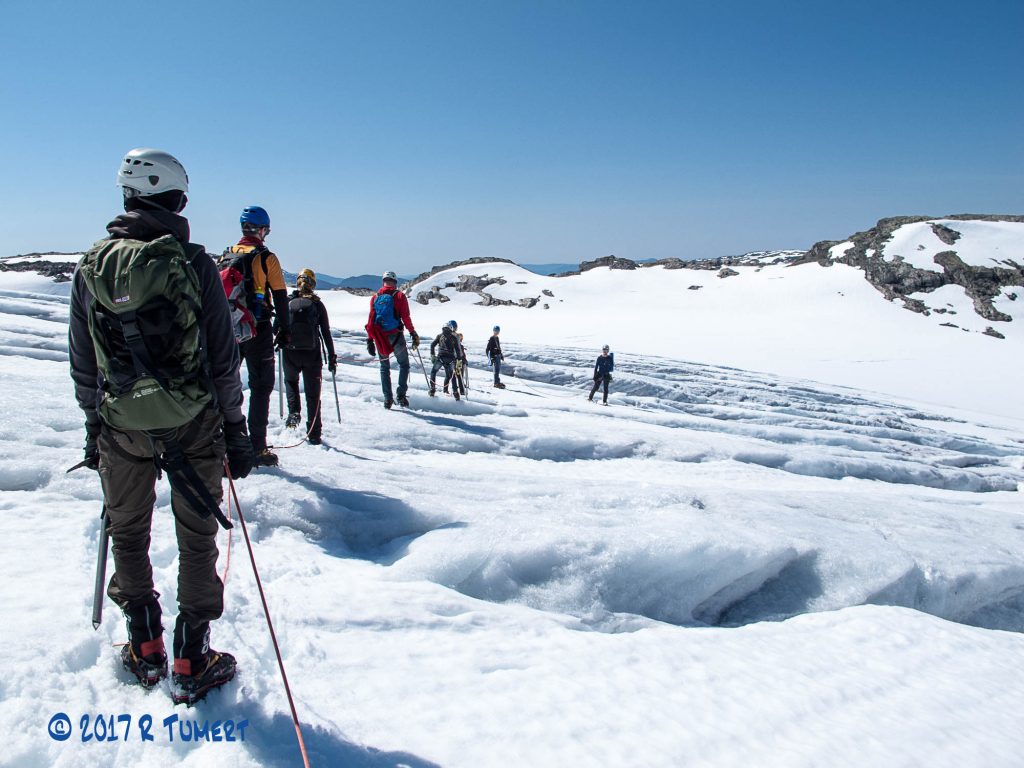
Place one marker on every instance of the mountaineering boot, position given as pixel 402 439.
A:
pixel 456 392
pixel 143 655
pixel 499 385
pixel 293 420
pixel 314 440
pixel 197 668
pixel 151 668
pixel 433 389
pixel 197 678
pixel 403 401
pixel 388 403
pixel 266 458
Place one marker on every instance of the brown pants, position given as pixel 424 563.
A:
pixel 128 476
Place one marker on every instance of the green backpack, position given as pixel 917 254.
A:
pixel 145 326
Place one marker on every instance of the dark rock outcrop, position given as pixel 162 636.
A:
pixel 897 279
pixel 60 271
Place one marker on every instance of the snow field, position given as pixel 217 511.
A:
pixel 723 568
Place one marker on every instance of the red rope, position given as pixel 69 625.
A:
pixel 270 624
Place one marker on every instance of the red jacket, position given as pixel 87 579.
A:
pixel 378 334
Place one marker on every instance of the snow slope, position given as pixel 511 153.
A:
pixel 722 568
pixel 822 323
pixel 982 243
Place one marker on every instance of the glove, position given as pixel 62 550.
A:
pixel 282 338
pixel 332 363
pixel 433 359
pixel 92 449
pixel 239 449
pixel 370 349
pixel 415 339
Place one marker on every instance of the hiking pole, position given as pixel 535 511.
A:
pixel 337 405
pixel 280 385
pixel 423 368
pixel 101 571
pixel 266 612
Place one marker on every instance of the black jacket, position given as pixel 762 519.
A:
pixel 221 349
pixel 494 349
pixel 310 325
pixel 446 345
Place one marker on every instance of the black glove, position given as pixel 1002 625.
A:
pixel 92 449
pixel 415 339
pixel 282 338
pixel 370 349
pixel 239 449
pixel 332 363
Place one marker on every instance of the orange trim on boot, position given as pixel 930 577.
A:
pixel 152 646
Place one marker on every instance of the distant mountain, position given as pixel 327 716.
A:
pixel 325 282
pixel 554 268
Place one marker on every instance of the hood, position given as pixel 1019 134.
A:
pixel 147 225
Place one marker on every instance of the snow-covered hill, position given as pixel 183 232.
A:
pixel 723 568
pixel 826 322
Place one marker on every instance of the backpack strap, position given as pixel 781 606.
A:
pixel 137 348
pixel 185 480
pixel 192 252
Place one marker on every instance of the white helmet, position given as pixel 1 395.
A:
pixel 146 172
pixel 389 275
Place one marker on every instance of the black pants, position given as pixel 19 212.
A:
pixel 603 378
pixel 449 371
pixel 258 354
pixel 310 364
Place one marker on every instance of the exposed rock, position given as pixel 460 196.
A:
pixel 546 292
pixel 990 331
pixel 726 272
pixel 60 271
pixel 896 279
pixel 424 297
pixel 612 262
pixel 475 283
pixel 434 270
pixel 695 287
pixel 671 264
pixel 945 234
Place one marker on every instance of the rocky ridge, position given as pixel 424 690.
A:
pixel 897 279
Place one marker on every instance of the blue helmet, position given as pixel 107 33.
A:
pixel 497 328
pixel 254 216
pixel 453 325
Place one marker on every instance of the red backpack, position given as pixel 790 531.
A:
pixel 244 298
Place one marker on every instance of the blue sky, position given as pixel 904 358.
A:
pixel 400 135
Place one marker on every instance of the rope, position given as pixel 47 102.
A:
pixel 227 554
pixel 312 421
pixel 542 394
pixel 270 624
